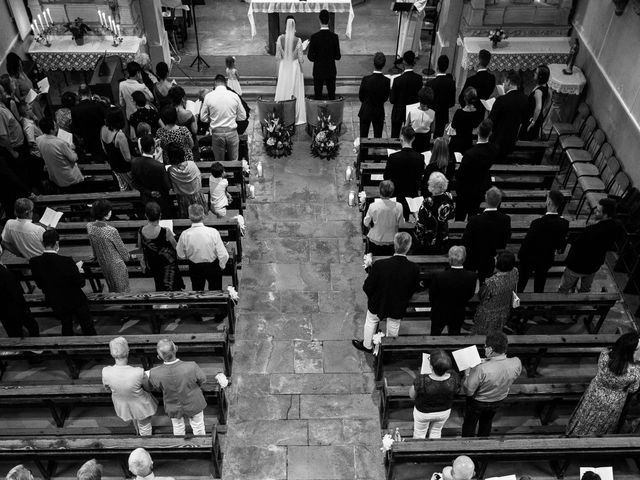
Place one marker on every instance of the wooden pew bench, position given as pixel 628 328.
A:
pixel 77 349
pixel 375 150
pixel 154 305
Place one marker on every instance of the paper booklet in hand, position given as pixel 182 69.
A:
pixel 166 224
pixel 467 357
pixel 500 89
pixel 606 473
pixel 426 369
pixel 194 107
pixel 66 136
pixel 31 96
pixel 43 85
pixel 506 477
pixel 50 218
pixel 414 202
pixel 488 104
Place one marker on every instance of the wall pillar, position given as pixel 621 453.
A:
pixel 448 27
pixel 153 27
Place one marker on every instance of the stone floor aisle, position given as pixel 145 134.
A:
pixel 303 402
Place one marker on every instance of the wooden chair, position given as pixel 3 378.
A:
pixel 583 169
pixel 573 155
pixel 616 188
pixel 576 141
pixel 560 129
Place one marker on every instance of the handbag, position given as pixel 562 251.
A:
pixel 515 300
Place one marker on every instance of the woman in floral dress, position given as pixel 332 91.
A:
pixel 173 133
pixel 618 375
pixel 108 248
pixel 438 207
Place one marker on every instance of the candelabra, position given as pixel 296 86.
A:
pixel 117 39
pixel 42 30
pixel 109 25
pixel 43 35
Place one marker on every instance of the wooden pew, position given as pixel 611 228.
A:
pixel 150 305
pixel 375 150
pixel 213 345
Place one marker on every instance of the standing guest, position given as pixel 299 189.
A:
pixel 483 81
pixel 233 78
pixel 15 315
pixel 324 51
pixel 173 133
pixel 145 113
pixel 473 177
pixel 63 114
pixel 163 85
pixel 437 160
pixel 421 120
pixel 159 248
pixel 373 93
pixel 404 169
pixel 150 177
pixel 432 225
pixel 11 137
pixel 444 94
pixel 60 157
pixel 90 470
pixel 496 296
pixel 126 383
pixel 545 236
pixel 433 395
pixel 108 247
pixel 59 279
pixel 383 219
pixel 116 148
pixel 485 234
pixel 487 385
pixel 465 121
pixel 19 472
pixel 33 159
pixel 219 198
pixel 21 236
pixel 449 292
pixel 186 118
pixel 618 376
pixel 8 94
pixel 537 100
pixel 15 69
pixel 186 179
pixel 222 109
pixel 589 249
pixel 389 286
pixel 404 91
pixel 141 465
pixel 203 247
pixel 509 114
pixel 87 119
pixel 132 84
pixel 181 386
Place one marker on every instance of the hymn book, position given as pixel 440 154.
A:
pixel 50 218
pixel 426 369
pixel 66 136
pixel 166 224
pixel 467 357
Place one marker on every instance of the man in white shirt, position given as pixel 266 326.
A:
pixel 130 85
pixel 223 109
pixel 203 247
pixel 20 235
pixel 60 157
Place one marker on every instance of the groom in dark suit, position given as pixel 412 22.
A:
pixel 324 50
pixel 404 91
pixel 374 91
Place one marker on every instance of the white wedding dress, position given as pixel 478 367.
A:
pixel 290 79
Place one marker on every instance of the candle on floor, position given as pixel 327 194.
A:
pixel 252 191
pixel 348 173
pixel 352 198
pixel 259 168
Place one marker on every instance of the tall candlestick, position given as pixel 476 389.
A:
pixel 49 15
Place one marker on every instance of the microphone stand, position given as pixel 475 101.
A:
pixel 199 60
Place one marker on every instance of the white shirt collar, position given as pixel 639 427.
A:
pixel 198 224
pixel 408 69
pixel 221 87
pixel 441 74
pixel 324 27
pixel 171 363
pixel 399 255
pixel 149 155
pixel 488 209
pixel 480 142
pixel 552 213
pixel 481 70
pixel 377 71
pixel 457 267
pixel 49 251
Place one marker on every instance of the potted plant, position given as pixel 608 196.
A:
pixel 78 30
pixel 496 36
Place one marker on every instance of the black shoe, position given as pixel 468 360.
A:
pixel 360 346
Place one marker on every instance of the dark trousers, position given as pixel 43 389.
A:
pixel 201 273
pixel 539 272
pixel 479 414
pixel 80 314
pixel 445 319
pixel 466 207
pixel 378 125
pixel 395 128
pixel 379 250
pixel 442 118
pixel 331 87
pixel 14 325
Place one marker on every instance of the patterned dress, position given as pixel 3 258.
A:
pixel 187 184
pixel 162 260
pixel 601 405
pixel 179 135
pixel 496 295
pixel 432 227
pixel 111 254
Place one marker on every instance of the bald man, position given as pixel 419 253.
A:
pixel 141 465
pixel 180 383
pixel 461 469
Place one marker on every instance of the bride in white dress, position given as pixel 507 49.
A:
pixel 290 79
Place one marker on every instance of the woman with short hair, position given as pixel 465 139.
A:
pixel 538 98
pixel 465 120
pixel 116 147
pixel 421 120
pixel 432 226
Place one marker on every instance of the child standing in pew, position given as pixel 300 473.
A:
pixel 219 198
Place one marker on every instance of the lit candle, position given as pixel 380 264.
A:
pixel 49 15
pixel 252 191
pixel 118 27
pixel 259 168
pixel 100 17
pixel 40 20
pixel 347 174
pixel 352 198
pixel 46 21
pixel 109 22
pixel 34 25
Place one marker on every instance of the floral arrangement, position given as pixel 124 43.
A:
pixel 325 143
pixel 277 141
pixel 77 28
pixel 496 36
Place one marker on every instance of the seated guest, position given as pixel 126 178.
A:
pixel 90 470
pixel 163 85
pixel 421 120
pixel 60 280
pixel 496 296
pixel 87 119
pixel 116 148
pixel 404 169
pixel 433 394
pixel 15 315
pixel 483 81
pixel 63 115
pixel 141 465
pixel 389 286
pixel 173 133
pixel 203 247
pixel 444 95
pixel 181 386
pixel 218 195
pixel 537 100
pixel 487 385
pixel 373 93
pixel 473 177
pixel 432 226
pixel 142 130
pixel 108 247
pixel 508 114
pixel 383 219
pixel 145 113
pixel 132 84
pixel 150 177
pixel 159 248
pixel 60 158
pixel 186 180
pixel 465 121
pixel 126 383
pixel 437 160
pixel 449 292
pixel 462 468
pixel 21 236
pixel 546 236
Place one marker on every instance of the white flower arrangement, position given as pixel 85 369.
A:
pixel 387 442
pixel 362 196
pixel 377 340
pixel 356 145
pixel 241 223
pixel 222 379
pixel 233 294
pixel 368 260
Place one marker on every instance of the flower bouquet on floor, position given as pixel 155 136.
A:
pixel 325 143
pixel 277 140
pixel 496 36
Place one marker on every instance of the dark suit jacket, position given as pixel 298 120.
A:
pixel 87 117
pixel 473 177
pixel 546 235
pixel 484 83
pixel 390 285
pixel 404 91
pixel 509 112
pixel 588 250
pixel 484 235
pixel 324 50
pixel 59 279
pixel 374 91
pixel 404 169
pixel 444 96
pixel 449 292
pixel 13 307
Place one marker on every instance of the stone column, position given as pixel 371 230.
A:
pixel 448 27
pixel 153 27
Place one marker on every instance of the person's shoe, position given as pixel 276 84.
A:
pixel 360 346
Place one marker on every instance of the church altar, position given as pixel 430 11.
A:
pixel 64 54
